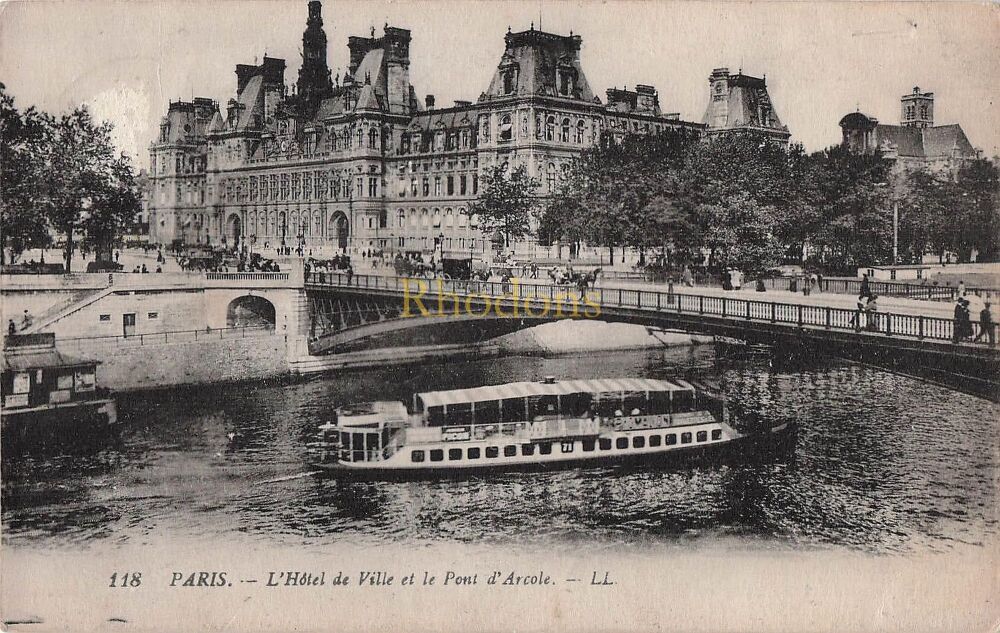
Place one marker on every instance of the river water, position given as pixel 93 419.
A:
pixel 882 463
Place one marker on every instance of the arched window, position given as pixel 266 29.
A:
pixel 550 128
pixel 402 218
pixel 550 177
pixel 463 219
pixel 579 131
pixel 436 219
pixel 372 138
pixel 565 131
pixel 506 129
pixel 508 81
pixel 361 138
pixel 423 217
pixel 449 218
pixel 413 217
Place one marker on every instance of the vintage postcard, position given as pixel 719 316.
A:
pixel 449 315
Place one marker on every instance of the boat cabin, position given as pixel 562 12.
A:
pixel 555 400
pixel 35 374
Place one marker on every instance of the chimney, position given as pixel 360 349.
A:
pixel 429 102
pixel 461 103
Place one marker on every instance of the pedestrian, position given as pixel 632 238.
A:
pixel 159 269
pixel 806 285
pixel 350 273
pixel 962 327
pixel 986 325
pixel 961 288
pixel 793 284
pixel 819 282
pixel 144 269
pixel 117 255
pixel 866 289
pixel 856 319
pixel 760 284
pixel 11 328
pixel 670 290
pixel 26 320
pixel 687 277
pixel 871 310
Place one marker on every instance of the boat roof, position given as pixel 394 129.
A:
pixel 42 359
pixel 562 387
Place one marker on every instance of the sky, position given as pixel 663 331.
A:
pixel 128 59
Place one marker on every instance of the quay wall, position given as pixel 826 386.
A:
pixel 222 356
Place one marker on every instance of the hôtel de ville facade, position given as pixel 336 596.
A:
pixel 361 162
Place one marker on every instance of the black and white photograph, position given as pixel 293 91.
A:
pixel 454 315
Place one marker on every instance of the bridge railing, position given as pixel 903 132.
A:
pixel 731 308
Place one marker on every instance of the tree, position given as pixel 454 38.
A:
pixel 22 137
pixel 977 202
pixel 87 189
pixel 506 202
pixel 740 234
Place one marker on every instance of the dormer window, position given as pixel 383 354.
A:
pixel 509 81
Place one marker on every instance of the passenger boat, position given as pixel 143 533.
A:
pixel 534 426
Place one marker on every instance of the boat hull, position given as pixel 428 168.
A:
pixel 753 447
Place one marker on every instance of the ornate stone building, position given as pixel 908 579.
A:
pixel 741 103
pixel 916 142
pixel 359 162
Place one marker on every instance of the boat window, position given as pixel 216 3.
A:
pixel 458 413
pixel 702 436
pixel 654 441
pixel 454 454
pixel 417 456
pixel 372 441
pixel 716 434
pixel 435 416
pixel 638 442
pixel 437 455
pixel 492 451
pixel 488 412
pixel 685 438
pixel 671 439
pixel 576 404
pixel 606 407
pixel 605 443
pixel 545 448
pixel 527 449
pixel 543 405
pixel 473 453
pixel 683 402
pixel 510 450
pixel 588 444
pixel 513 410
pixel 659 402
pixel 635 402
pixel 621 442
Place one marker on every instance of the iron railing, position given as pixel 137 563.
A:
pixel 536 297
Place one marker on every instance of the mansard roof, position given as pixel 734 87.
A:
pixel 537 56
pixel 746 95
pixel 462 116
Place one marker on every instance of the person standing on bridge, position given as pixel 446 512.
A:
pixel 687 277
pixel 856 319
pixel 962 328
pixel 866 289
pixel 986 325
pixel 11 328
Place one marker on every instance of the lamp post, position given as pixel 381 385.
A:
pixel 895 232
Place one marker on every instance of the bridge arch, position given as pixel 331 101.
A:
pixel 250 311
